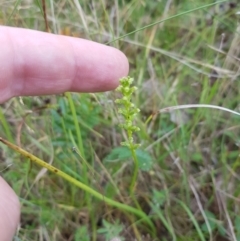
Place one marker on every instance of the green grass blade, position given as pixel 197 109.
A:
pixel 193 219
pixel 5 125
pixel 13 11
pixel 77 127
pixel 166 19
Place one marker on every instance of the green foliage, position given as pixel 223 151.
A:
pixel 81 234
pixel 159 198
pixel 237 227
pixel 214 225
pixel 88 116
pixel 145 161
pixel 110 230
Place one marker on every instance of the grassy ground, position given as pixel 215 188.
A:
pixel 189 179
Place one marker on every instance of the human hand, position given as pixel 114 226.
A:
pixel 36 63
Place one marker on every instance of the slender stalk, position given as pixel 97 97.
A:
pixel 134 178
pixel 77 127
pixel 45 15
pixel 79 141
pixel 135 172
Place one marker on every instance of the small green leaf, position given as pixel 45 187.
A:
pixel 212 222
pixel 118 154
pixel 110 230
pixel 144 159
pixel 237 225
pixel 159 197
pixel 123 153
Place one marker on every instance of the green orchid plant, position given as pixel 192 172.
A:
pixel 128 110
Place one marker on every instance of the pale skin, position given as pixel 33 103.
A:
pixel 37 63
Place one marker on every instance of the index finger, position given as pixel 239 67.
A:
pixel 37 63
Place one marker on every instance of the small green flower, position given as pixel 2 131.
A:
pixel 128 110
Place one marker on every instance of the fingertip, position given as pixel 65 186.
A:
pixel 9 211
pixel 124 65
pixel 119 68
pixel 98 67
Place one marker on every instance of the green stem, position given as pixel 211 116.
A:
pixel 135 171
pixel 79 139
pixel 134 178
pixel 77 127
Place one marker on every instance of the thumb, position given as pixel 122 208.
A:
pixel 9 211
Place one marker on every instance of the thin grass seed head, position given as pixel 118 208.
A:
pixel 128 110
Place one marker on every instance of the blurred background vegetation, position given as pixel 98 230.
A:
pixel 189 183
